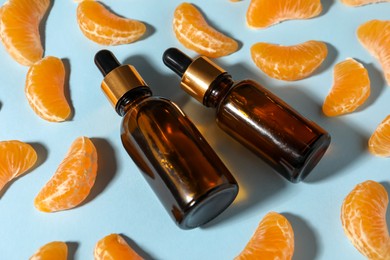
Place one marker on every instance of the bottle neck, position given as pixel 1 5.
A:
pixel 126 102
pixel 218 90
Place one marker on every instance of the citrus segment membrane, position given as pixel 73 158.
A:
pixel 100 25
pixel 374 35
pixel 192 30
pixel 55 250
pixel 114 246
pixel 16 158
pixel 45 89
pixel 73 180
pixel 19 29
pixel 379 142
pixel 362 2
pixel 351 88
pixel 363 217
pixel 273 239
pixel 289 62
pixel 264 13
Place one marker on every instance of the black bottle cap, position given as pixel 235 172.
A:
pixel 176 61
pixel 118 79
pixel 106 61
pixel 196 75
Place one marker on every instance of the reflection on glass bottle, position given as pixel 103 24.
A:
pixel 188 177
pixel 250 113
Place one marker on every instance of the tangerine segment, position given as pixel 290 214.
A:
pixel 19 29
pixel 379 142
pixel 363 216
pixel 45 89
pixel 72 181
pixel 54 250
pixel 374 35
pixel 264 13
pixel 362 2
pixel 192 30
pixel 289 62
pixel 273 239
pixel 104 27
pixel 351 88
pixel 114 247
pixel 15 159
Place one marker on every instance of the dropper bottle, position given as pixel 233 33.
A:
pixel 291 144
pixel 187 176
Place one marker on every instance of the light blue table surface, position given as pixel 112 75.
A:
pixel 121 200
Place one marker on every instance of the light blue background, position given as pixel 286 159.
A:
pixel 122 202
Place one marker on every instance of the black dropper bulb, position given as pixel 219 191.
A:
pixel 106 61
pixel 176 61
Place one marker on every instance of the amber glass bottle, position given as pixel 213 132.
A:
pixel 250 113
pixel 188 177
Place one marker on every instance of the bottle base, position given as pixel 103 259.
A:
pixel 209 207
pixel 315 154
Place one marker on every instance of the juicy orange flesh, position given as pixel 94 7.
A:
pixel 15 159
pixel 192 30
pixel 19 29
pixel 263 13
pixel 374 35
pixel 289 62
pixel 45 89
pixel 362 2
pixel 114 247
pixel 54 250
pixel 363 217
pixel 350 89
pixel 72 181
pixel 104 27
pixel 379 142
pixel 273 239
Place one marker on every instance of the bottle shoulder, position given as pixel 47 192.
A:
pixel 246 83
pixel 153 105
pixel 151 101
pixel 241 90
pixel 155 100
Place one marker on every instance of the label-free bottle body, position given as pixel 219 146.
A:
pixel 185 173
pixel 176 160
pixel 287 141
